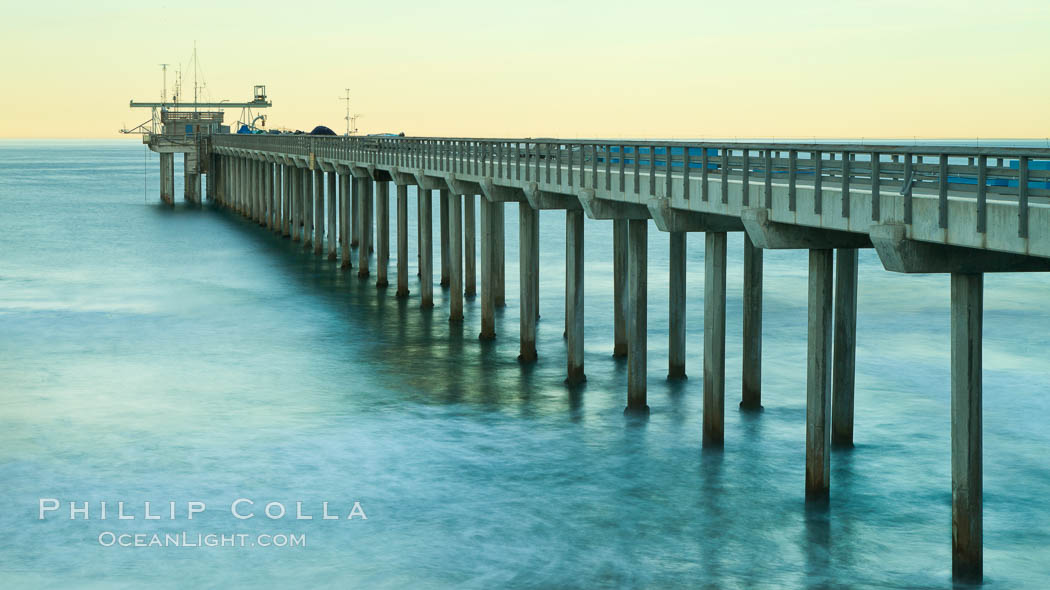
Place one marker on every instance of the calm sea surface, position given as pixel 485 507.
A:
pixel 151 354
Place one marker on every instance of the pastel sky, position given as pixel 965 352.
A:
pixel 490 68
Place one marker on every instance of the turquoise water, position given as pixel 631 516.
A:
pixel 156 354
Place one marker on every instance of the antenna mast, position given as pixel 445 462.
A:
pixel 347 117
pixel 195 97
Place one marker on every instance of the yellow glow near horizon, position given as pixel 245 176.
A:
pixel 673 69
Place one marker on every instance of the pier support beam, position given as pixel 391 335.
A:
pixel 455 255
pixel 444 237
pixel 751 398
pixel 470 279
pixel 426 248
pixel 364 230
pixel 714 338
pixel 676 307
pixel 845 347
pixel 488 270
pixel 318 211
pixel 402 240
pixel 620 240
pixel 818 374
pixel 529 256
pixel 574 294
pixel 344 218
pixel 167 178
pixel 280 195
pixel 333 213
pixel 967 469
pixel 637 327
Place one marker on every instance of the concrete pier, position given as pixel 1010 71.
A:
pixel 574 294
pixel 818 375
pixel 845 347
pixel 529 266
pixel 714 338
pixel 637 326
pixel 620 240
pixel 333 215
pixel 402 240
pixel 426 248
pixel 455 255
pixel 167 177
pixel 488 270
pixel 676 306
pixel 470 280
pixel 967 313
pixel 382 232
pixel 826 199
pixel 751 398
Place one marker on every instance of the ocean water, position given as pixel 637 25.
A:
pixel 187 355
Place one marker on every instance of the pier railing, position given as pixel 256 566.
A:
pixel 1018 174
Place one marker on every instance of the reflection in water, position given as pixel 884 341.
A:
pixel 182 354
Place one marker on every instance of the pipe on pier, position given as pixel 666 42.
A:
pixel 344 219
pixel 470 279
pixel 318 211
pixel 444 236
pixel 364 229
pixel 488 270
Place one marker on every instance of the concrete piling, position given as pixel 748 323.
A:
pixel 332 217
pixel 344 219
pixel 470 281
pixel 488 270
pixel 676 307
pixel 455 255
pixel 845 347
pixel 307 204
pixel 528 250
pixel 967 310
pixel 620 239
pixel 444 236
pixel 637 328
pixel 714 338
pixel 167 178
pixel 402 240
pixel 499 252
pixel 382 232
pixel 426 248
pixel 364 186
pixel 318 211
pixel 818 375
pixel 751 398
pixel 574 294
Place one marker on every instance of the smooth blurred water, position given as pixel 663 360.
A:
pixel 151 354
